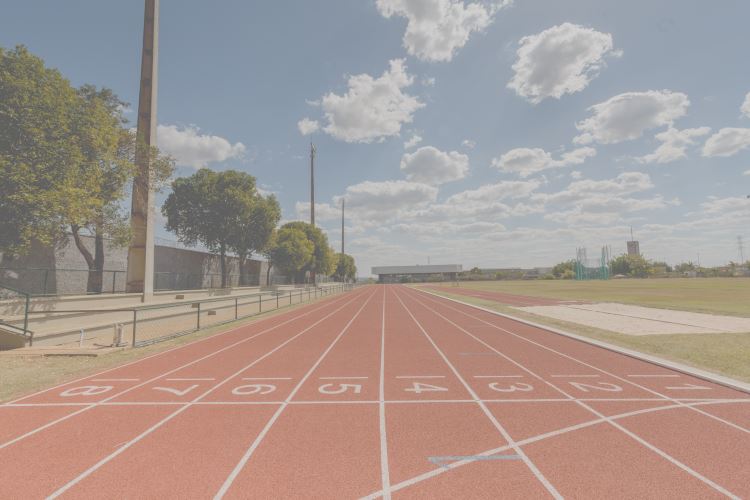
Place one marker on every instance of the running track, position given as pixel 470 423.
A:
pixel 381 392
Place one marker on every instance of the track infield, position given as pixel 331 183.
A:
pixel 381 392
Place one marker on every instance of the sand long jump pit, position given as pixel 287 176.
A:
pixel 637 320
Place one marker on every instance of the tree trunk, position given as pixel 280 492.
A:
pixel 223 252
pixel 243 272
pixel 268 273
pixel 94 273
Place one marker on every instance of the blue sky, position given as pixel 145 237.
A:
pixel 487 133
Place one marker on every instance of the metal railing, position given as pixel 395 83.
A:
pixel 149 324
pixel 15 301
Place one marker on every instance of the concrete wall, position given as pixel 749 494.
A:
pixel 63 271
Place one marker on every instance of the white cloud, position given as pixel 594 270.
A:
pixel 626 116
pixel 372 108
pixel 560 60
pixel 527 161
pixel 727 142
pixel 674 144
pixel 436 29
pixel 576 174
pixel 428 81
pixel 192 149
pixel 415 139
pixel 746 172
pixel 379 201
pixel 307 126
pixel 726 205
pixel 429 165
pixel 469 144
pixel 746 106
pixel 323 211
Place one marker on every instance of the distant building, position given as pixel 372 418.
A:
pixel 397 274
pixel 634 248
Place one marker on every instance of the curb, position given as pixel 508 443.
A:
pixel 672 365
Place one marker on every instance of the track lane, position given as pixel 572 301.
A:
pixel 126 449
pixel 539 361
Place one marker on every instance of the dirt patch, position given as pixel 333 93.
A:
pixel 636 320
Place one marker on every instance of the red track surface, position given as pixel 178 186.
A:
pixel 381 392
pixel 504 298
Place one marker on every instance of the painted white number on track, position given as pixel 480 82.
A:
pixel 600 386
pixel 246 390
pixel 342 388
pixel 419 387
pixel 176 392
pixel 86 390
pixel 521 387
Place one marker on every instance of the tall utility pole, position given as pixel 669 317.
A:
pixel 312 183
pixel 343 204
pixel 140 275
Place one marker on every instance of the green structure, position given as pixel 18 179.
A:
pixel 592 269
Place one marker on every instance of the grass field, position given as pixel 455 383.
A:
pixel 712 295
pixel 724 353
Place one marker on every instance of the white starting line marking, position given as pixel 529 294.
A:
pixel 115 379
pixel 420 376
pixel 654 376
pixel 338 378
pixel 190 379
pixel 498 376
pixel 267 378
pixel 574 376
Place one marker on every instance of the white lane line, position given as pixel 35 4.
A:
pixel 550 488
pixel 95 404
pixel 634 436
pixel 421 376
pixel 533 439
pixel 115 379
pixel 385 477
pixel 169 417
pixel 343 377
pixel 653 376
pixel 575 376
pixel 190 379
pixel 692 402
pixel 243 461
pixel 251 325
pixel 498 376
pixel 266 378
pixel 688 387
pixel 698 410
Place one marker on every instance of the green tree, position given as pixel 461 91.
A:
pixel 630 265
pixel 323 260
pixel 40 155
pixel 345 268
pixel 290 251
pixel 255 227
pixel 208 208
pixel 564 270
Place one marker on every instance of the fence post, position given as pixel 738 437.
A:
pixel 277 300
pixel 114 281
pixel 198 322
pixel 135 322
pixel 235 308
pixel 260 303
pixel 290 297
pixel 46 275
pixel 26 321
